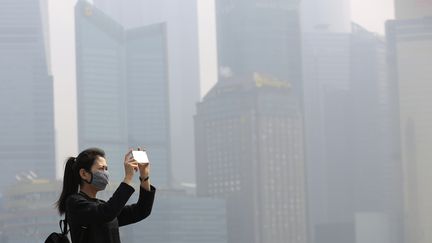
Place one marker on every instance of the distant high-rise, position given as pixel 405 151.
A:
pixel 260 36
pixel 27 147
pixel 101 84
pixel 249 127
pixel 183 65
pixel 410 52
pixel 249 150
pixel 326 81
pixel 147 102
pixel 122 85
pixel 326 16
pixel 353 167
pixel 374 139
pixel 409 9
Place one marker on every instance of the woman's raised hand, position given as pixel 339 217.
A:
pixel 130 166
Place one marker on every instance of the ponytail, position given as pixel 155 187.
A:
pixel 70 184
pixel 72 180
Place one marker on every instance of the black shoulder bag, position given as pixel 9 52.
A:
pixel 59 237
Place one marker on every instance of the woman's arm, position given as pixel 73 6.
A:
pixel 84 211
pixel 140 210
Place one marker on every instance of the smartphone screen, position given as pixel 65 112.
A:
pixel 140 156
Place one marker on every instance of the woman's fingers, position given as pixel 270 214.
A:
pixel 132 163
pixel 127 155
pixel 131 160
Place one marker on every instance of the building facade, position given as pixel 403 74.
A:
pixel 250 152
pixel 122 88
pixel 26 93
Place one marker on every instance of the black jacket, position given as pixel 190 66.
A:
pixel 99 221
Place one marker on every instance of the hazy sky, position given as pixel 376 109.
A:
pixel 370 14
pixel 62 38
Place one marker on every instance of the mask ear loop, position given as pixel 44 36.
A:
pixel 91 179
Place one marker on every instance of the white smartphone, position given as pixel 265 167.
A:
pixel 140 156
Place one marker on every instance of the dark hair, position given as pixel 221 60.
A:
pixel 72 179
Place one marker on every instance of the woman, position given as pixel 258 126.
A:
pixel 93 220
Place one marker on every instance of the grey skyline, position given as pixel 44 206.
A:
pixel 368 13
pixel 316 127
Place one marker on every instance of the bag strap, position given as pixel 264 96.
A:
pixel 64 226
pixel 64 229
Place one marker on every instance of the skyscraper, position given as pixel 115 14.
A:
pixel 410 52
pixel 27 145
pixel 249 140
pixel 331 16
pixel 410 48
pixel 326 75
pixel 122 86
pixel 326 80
pixel 147 101
pixel 409 9
pixel 183 67
pixel 249 127
pixel 374 138
pixel 260 36
pixel 353 167
pixel 101 84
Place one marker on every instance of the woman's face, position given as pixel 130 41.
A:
pixel 100 164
